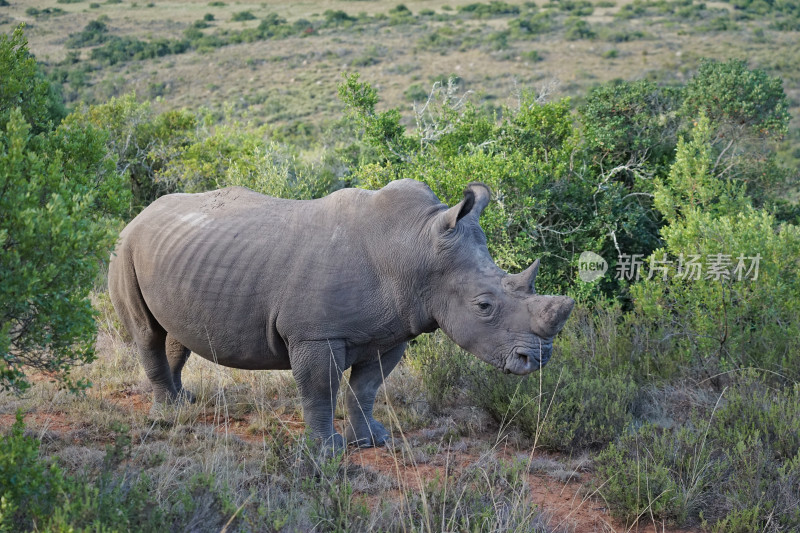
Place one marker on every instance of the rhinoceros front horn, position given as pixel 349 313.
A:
pixel 524 281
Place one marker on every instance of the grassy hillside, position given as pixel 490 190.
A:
pixel 570 45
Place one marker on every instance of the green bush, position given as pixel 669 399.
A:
pixel 733 96
pixel 631 123
pixel 656 474
pixel 96 32
pixel 576 28
pixel 143 142
pixel 578 8
pixel 530 25
pixel 29 487
pixel 570 405
pixel 493 9
pixel 581 400
pixel 37 495
pixel 441 366
pixel 59 209
pixel 242 16
pixel 732 468
pixel 734 315
pixel 25 87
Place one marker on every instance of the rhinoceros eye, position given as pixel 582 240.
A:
pixel 485 308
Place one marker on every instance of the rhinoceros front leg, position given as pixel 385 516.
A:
pixel 317 367
pixel 365 379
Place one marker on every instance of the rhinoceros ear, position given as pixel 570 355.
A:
pixel 524 281
pixel 476 198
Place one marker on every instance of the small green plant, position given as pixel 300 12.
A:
pixel 534 56
pixel 576 29
pixel 494 8
pixel 29 487
pixel 242 16
pixel 96 32
pixel 415 93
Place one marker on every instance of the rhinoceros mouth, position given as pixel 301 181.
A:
pixel 524 360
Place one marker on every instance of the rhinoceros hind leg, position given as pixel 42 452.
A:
pixel 365 379
pixel 153 357
pixel 177 354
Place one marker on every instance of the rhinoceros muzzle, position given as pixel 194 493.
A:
pixel 524 361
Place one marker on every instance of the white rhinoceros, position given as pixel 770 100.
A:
pixel 254 282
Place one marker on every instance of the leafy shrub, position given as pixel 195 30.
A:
pixel 441 39
pixel 581 400
pixel 492 9
pixel 531 25
pixel 120 49
pixel 631 123
pixel 36 494
pixel 44 12
pixel 731 317
pixel 576 29
pixel 142 142
pixel 534 56
pixel 337 18
pixel 61 196
pixel 732 95
pixel 415 93
pixel 570 405
pixel 441 367
pixel 528 161
pixel 96 32
pixel 242 16
pixel 733 468
pixel 578 8
pixel 25 88
pixel 29 486
pixel 270 171
pixel 659 474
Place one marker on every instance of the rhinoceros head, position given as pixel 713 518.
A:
pixel 492 314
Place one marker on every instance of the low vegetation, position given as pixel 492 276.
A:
pixel 677 373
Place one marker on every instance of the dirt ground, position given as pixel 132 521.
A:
pixel 570 505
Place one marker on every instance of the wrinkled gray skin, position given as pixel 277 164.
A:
pixel 249 281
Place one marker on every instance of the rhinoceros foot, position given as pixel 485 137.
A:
pixel 184 396
pixel 367 436
pixel 327 447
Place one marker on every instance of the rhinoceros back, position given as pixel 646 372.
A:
pixel 233 274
